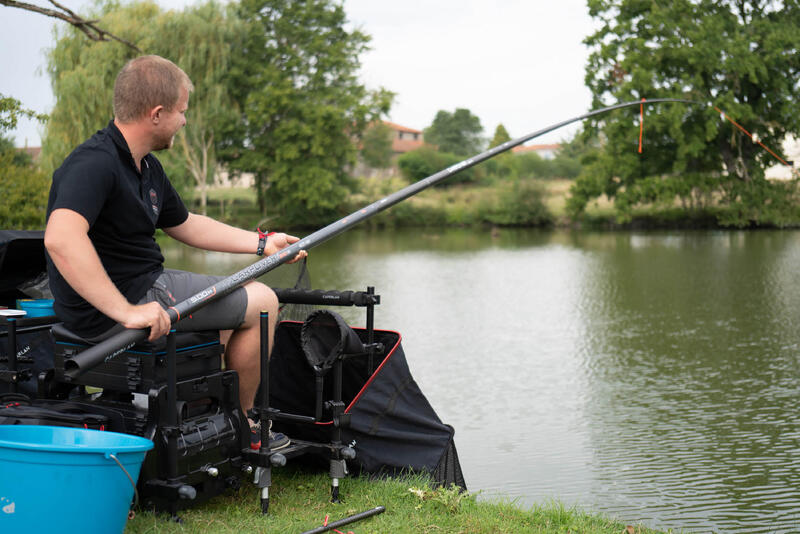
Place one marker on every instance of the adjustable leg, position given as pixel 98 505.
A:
pixel 263 476
pixel 12 354
pixel 338 471
pixel 263 480
pixel 184 491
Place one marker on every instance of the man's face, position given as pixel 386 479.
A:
pixel 171 122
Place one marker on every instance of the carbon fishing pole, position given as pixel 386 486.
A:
pixel 119 343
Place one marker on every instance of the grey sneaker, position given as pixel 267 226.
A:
pixel 277 440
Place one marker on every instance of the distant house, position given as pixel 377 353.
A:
pixel 404 139
pixel 33 151
pixel 544 151
pixel 791 154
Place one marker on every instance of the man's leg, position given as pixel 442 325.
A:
pixel 243 348
pixel 237 317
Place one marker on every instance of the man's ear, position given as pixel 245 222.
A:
pixel 155 114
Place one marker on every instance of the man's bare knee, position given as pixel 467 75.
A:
pixel 260 298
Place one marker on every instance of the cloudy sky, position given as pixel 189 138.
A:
pixel 516 62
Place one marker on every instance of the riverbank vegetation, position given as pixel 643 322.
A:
pixel 277 97
pixel 299 501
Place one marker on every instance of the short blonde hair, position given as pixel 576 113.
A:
pixel 146 82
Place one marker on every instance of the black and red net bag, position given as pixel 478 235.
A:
pixel 390 424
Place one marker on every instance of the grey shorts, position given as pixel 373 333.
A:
pixel 226 313
pixel 172 286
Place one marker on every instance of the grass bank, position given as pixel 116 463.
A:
pixel 299 502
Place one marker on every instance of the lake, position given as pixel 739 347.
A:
pixel 653 377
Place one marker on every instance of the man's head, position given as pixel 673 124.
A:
pixel 147 82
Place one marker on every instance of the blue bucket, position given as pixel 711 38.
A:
pixel 66 480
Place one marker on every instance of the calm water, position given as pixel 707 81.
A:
pixel 653 377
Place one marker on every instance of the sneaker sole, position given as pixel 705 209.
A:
pixel 282 445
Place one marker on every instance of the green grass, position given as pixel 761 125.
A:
pixel 299 501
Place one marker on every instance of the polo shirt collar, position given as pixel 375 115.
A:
pixel 122 144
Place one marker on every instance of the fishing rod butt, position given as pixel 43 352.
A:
pixel 86 360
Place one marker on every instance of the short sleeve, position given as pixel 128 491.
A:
pixel 84 184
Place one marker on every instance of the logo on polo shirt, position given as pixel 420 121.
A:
pixel 154 201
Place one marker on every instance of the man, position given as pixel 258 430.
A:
pixel 106 201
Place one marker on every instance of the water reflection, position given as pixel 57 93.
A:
pixel 691 369
pixel 651 376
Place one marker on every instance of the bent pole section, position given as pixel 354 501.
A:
pixel 123 341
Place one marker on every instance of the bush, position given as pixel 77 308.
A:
pixel 534 166
pixel 23 190
pixel 426 161
pixel 519 203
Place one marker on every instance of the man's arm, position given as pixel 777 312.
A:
pixel 209 234
pixel 67 241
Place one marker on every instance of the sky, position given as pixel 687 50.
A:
pixel 516 62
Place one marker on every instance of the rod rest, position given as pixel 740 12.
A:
pixel 327 298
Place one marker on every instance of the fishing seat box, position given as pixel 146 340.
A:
pixel 208 433
pixel 143 366
pixel 34 349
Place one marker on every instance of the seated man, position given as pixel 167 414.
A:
pixel 106 201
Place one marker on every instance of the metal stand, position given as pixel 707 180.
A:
pixel 12 375
pixel 265 459
pixel 173 488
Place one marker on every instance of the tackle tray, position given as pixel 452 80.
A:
pixel 144 365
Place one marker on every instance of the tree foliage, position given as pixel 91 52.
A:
pixel 23 189
pixel 457 133
pixel 741 55
pixel 302 105
pixel 376 146
pixel 11 110
pixel 500 136
pixel 503 165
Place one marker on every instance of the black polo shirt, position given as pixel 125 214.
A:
pixel 123 206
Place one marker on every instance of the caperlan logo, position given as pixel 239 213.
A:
pixel 119 351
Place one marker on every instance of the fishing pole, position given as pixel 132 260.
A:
pixel 119 343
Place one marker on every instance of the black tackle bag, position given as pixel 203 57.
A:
pixel 392 426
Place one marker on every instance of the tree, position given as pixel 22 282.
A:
pixel 302 105
pixel 739 55
pixel 23 188
pixel 198 39
pixel 201 41
pixel 504 164
pixel 376 146
pixel 457 133
pixel 500 136
pixel 11 110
